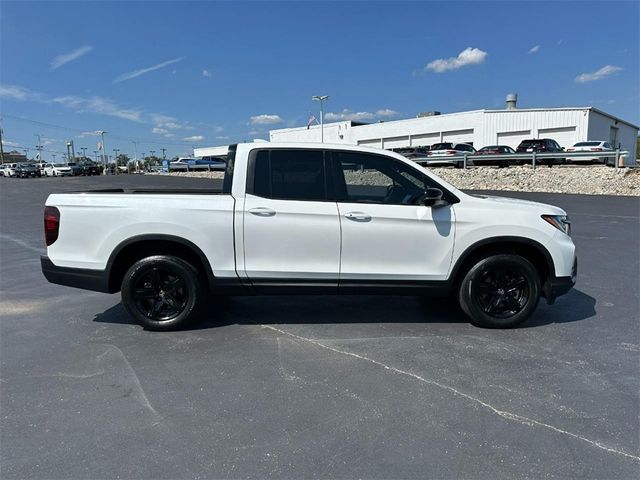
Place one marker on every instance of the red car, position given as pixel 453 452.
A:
pixel 495 150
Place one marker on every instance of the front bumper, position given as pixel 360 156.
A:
pixel 96 280
pixel 557 286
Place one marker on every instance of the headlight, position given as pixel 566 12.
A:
pixel 561 222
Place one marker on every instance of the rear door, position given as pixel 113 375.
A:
pixel 290 220
pixel 387 237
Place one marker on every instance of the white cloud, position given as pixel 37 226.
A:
pixel 265 119
pixel 9 144
pixel 254 132
pixel 16 92
pixel 142 71
pixel 99 105
pixel 206 73
pixel 598 74
pixel 534 49
pixel 65 58
pixel 469 56
pixel 222 137
pixel 194 138
pixel 159 131
pixel 359 116
pixel 169 123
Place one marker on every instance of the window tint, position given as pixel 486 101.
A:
pixel 441 146
pixel 376 179
pixel 290 174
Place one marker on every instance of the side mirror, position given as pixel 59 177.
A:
pixel 432 197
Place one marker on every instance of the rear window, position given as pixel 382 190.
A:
pixel 290 175
pixel 587 144
pixel 531 143
pixel 441 146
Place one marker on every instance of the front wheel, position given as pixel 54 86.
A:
pixel 162 292
pixel 500 291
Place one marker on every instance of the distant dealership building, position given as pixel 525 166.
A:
pixel 566 125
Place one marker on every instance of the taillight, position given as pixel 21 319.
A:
pixel 596 149
pixel 51 224
pixel 451 152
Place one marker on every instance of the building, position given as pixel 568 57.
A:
pixel 14 157
pixel 566 125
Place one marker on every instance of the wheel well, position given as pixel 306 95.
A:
pixel 532 253
pixel 131 253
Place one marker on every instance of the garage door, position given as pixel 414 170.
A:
pixel 513 139
pixel 565 136
pixel 425 139
pixel 370 143
pixel 458 136
pixel 396 142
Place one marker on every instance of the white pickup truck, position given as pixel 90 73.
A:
pixel 310 219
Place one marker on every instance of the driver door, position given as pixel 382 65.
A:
pixel 386 235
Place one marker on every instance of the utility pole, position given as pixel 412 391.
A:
pixel 321 99
pixel 116 150
pixel 95 153
pixel 1 148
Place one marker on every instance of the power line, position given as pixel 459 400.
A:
pixel 71 129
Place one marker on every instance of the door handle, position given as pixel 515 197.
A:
pixel 262 212
pixel 358 216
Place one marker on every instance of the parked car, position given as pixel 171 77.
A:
pixel 593 146
pixel 8 170
pixel 87 167
pixel 542 145
pixel 439 152
pixel 496 150
pixel 412 152
pixel 26 170
pixel 3 167
pixel 297 219
pixel 57 170
pixel 75 167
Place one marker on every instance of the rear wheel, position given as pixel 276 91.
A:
pixel 162 292
pixel 500 291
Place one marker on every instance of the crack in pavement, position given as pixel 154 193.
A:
pixel 504 414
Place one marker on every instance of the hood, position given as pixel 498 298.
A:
pixel 517 202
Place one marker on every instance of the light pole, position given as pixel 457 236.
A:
pixel 104 162
pixel 116 150
pixel 164 157
pixel 84 152
pixel 39 147
pixel 321 99
pixel 54 157
pixel 95 153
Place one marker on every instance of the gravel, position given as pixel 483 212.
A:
pixel 589 180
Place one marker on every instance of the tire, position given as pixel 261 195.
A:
pixel 500 291
pixel 162 292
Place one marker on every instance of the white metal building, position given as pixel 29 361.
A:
pixel 478 128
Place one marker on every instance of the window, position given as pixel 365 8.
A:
pixel 290 174
pixel 375 179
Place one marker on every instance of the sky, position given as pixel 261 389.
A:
pixel 175 75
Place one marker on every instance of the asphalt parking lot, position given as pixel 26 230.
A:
pixel 320 387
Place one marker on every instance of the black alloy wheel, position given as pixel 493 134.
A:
pixel 500 291
pixel 160 295
pixel 162 292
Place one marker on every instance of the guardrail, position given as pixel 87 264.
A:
pixel 532 158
